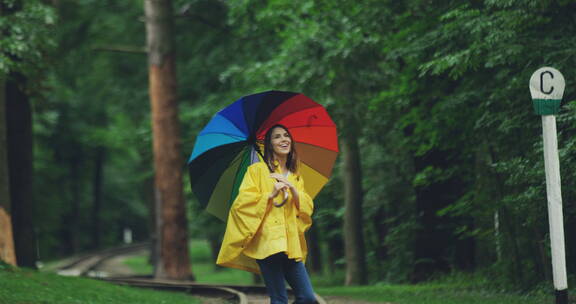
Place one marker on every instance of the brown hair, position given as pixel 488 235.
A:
pixel 291 160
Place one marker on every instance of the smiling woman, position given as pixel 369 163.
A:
pixel 265 236
pixel 234 180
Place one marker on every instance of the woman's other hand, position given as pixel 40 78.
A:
pixel 281 178
pixel 278 186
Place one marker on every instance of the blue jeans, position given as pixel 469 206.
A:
pixel 277 268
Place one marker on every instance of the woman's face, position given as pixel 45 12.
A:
pixel 281 141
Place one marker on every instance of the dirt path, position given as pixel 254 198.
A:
pixel 116 267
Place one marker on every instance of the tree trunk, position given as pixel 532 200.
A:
pixel 315 265
pixel 507 242
pixel 157 241
pixel 542 257
pixel 380 224
pixel 466 248
pixel 516 257
pixel 353 230
pixel 72 218
pixel 497 237
pixel 174 261
pixel 19 137
pixel 7 253
pixel 335 251
pixel 150 199
pixel 97 184
pixel 488 251
pixel 215 244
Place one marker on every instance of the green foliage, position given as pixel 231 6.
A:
pixel 27 29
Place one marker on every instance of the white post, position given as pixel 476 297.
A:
pixel 554 195
pixel 547 87
pixel 127 236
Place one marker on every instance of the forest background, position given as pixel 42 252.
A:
pixel 441 168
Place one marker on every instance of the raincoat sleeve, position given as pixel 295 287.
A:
pixel 251 204
pixel 306 207
pixel 244 219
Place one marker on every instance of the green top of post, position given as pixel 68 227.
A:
pixel 547 87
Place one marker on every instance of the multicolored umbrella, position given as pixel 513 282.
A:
pixel 232 141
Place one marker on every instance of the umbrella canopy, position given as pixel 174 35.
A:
pixel 233 138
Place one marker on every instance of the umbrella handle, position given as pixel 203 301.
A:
pixel 283 201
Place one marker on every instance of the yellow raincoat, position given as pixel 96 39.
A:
pixel 249 222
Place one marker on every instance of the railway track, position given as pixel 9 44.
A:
pixel 88 264
pixel 225 293
pixel 91 265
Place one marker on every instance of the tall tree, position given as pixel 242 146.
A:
pixel 353 227
pixel 173 260
pixel 7 253
pixel 21 59
pixel 19 140
pixel 97 184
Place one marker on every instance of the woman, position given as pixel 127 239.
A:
pixel 266 224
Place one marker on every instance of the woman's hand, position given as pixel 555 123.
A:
pixel 281 178
pixel 279 186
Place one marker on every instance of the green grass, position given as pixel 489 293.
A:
pixel 461 288
pixel 428 294
pixel 139 264
pixel 19 286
